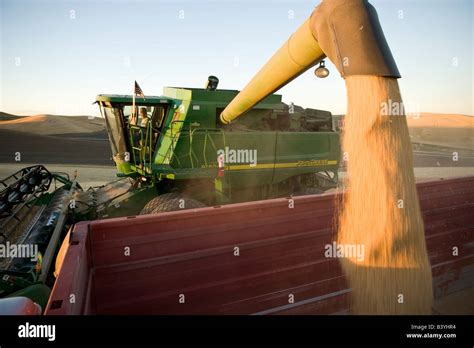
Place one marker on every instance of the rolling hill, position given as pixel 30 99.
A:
pixel 52 124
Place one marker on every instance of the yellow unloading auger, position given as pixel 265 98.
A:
pixel 348 32
pixel 394 274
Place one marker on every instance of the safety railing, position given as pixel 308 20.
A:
pixel 141 139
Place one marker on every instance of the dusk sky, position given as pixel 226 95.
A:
pixel 56 56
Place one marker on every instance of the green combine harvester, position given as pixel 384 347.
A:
pixel 175 146
pixel 171 153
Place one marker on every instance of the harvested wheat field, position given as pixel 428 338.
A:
pixel 53 124
pixel 449 130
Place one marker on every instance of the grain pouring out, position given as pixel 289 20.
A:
pixel 381 209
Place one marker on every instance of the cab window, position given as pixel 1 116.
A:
pixel 145 114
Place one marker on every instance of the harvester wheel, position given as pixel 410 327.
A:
pixel 170 202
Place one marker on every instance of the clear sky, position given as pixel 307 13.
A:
pixel 56 56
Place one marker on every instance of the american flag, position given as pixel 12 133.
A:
pixel 138 91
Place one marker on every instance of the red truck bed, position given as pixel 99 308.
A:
pixel 281 252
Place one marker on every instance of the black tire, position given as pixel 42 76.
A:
pixel 170 202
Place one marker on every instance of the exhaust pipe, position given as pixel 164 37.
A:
pixel 348 32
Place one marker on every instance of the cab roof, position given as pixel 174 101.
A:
pixel 124 98
pixel 175 94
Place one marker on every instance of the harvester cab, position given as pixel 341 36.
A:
pixel 134 134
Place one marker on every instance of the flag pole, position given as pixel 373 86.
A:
pixel 133 103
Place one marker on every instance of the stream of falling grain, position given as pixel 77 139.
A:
pixel 381 209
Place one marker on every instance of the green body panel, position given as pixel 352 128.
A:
pixel 128 204
pixel 125 168
pixel 198 150
pixel 304 151
pixel 268 146
pixel 173 125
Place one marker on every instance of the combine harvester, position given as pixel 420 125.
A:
pixel 240 230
